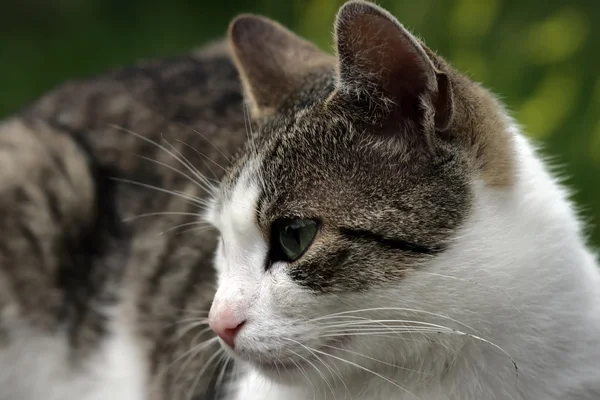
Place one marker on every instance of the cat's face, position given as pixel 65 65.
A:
pixel 354 180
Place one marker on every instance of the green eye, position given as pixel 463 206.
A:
pixel 290 238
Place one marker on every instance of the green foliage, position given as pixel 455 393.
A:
pixel 540 55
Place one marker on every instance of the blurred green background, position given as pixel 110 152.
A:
pixel 541 56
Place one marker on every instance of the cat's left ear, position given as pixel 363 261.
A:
pixel 379 58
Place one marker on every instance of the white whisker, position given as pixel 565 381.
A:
pixel 190 167
pixel 225 360
pixel 203 345
pixel 201 185
pixel 153 214
pixel 333 373
pixel 360 324
pixel 191 353
pixel 382 332
pixel 207 185
pixel 360 367
pixel 413 310
pixel 193 319
pixel 212 144
pixel 373 359
pixel 432 329
pixel 317 369
pixel 202 371
pixel 362 319
pixel 201 229
pixel 204 224
pixel 192 199
pixel 303 372
pixel 203 156
pixel 182 332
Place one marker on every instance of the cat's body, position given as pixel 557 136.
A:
pixel 442 261
pixel 92 306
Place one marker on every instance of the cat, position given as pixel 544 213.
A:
pixel 101 298
pixel 379 229
pixel 389 233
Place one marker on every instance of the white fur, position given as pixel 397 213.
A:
pixel 241 250
pixel 38 366
pixel 519 275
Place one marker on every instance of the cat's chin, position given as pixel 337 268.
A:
pixel 277 369
pixel 286 372
pixel 289 373
pixel 289 369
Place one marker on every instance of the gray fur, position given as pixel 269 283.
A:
pixel 67 256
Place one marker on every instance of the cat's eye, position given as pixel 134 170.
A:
pixel 290 238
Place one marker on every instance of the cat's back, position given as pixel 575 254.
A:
pixel 102 187
pixel 193 98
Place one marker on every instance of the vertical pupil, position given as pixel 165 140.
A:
pixel 293 233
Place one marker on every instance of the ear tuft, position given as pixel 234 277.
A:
pixel 271 61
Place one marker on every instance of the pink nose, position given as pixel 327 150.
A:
pixel 226 326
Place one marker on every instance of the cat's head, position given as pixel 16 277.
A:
pixel 361 171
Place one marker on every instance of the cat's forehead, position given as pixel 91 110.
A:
pixel 291 159
pixel 320 164
pixel 309 145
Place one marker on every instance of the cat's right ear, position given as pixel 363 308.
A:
pixel 378 59
pixel 271 60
